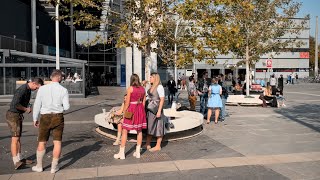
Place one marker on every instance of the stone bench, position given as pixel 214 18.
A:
pixel 241 100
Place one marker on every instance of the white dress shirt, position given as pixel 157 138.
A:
pixel 51 98
pixel 273 81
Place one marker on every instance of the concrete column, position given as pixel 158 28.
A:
pixel 209 72
pixel 236 74
pixel 128 57
pixel 4 79
pixel 154 65
pixel 137 61
pixel 71 31
pixel 118 66
pixel 223 71
pixel 34 25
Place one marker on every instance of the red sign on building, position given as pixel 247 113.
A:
pixel 304 55
pixel 269 63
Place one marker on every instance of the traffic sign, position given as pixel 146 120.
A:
pixel 269 63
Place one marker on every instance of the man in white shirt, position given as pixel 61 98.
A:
pixel 52 99
pixel 273 82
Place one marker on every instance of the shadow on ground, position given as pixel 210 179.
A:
pixel 305 114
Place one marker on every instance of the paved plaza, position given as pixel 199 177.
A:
pixel 253 143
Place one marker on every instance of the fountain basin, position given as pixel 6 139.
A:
pixel 186 124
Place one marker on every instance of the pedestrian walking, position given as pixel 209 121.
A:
pixel 14 117
pixel 289 79
pixel 172 89
pixel 51 101
pixel 134 116
pixel 155 117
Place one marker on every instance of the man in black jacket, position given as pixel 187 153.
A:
pixel 171 84
pixel 280 84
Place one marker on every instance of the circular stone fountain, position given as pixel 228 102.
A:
pixel 186 124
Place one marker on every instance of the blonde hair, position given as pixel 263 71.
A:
pixel 156 82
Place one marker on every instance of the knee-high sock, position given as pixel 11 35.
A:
pixel 40 155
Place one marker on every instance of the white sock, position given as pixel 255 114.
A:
pixel 54 163
pixel 19 156
pixel 40 155
pixel 15 159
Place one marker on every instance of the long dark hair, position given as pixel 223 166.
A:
pixel 135 80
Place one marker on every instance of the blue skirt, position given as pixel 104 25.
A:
pixel 214 101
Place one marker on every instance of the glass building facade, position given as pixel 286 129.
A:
pixel 18 67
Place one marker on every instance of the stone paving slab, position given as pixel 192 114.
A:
pixel 184 165
pixel 157 167
pixel 239 173
pixel 5 177
pixel 193 164
pixel 76 173
pixel 117 170
pixel 33 176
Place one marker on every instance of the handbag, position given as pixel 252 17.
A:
pixel 153 106
pixel 129 115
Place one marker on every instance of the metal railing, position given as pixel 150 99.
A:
pixel 19 45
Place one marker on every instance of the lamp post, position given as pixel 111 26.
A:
pixel 175 51
pixel 57 36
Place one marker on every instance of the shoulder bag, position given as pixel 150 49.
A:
pixel 129 115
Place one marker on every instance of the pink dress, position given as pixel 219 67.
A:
pixel 139 120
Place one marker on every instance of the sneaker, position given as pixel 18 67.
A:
pixel 17 165
pixel 37 169
pixel 54 170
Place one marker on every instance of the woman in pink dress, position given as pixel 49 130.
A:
pixel 135 102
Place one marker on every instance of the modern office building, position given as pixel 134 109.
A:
pixel 295 60
pixel 27 45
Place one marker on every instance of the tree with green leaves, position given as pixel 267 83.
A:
pixel 262 24
pixel 211 32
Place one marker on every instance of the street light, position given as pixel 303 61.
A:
pixel 175 51
pixel 57 36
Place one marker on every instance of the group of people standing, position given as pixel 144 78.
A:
pixel 142 109
pixel 213 96
pixel 51 101
pixel 212 92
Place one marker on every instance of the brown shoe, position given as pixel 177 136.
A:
pixel 26 161
pixel 18 165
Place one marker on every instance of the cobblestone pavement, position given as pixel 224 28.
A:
pixel 253 143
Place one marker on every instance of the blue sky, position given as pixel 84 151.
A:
pixel 311 7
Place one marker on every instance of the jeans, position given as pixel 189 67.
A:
pixel 203 103
pixel 170 97
pixel 223 109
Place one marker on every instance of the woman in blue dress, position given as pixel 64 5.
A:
pixel 214 101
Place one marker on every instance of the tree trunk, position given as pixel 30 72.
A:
pixel 247 72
